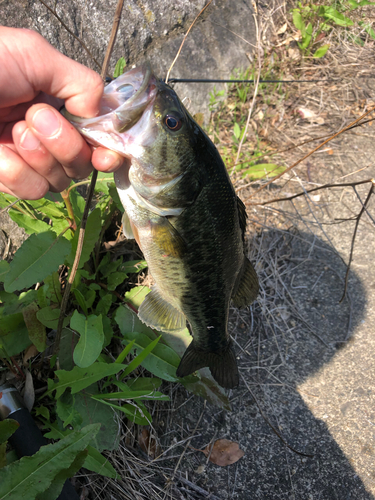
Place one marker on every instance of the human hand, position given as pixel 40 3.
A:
pixel 40 150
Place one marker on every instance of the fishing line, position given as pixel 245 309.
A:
pixel 208 80
pixel 204 80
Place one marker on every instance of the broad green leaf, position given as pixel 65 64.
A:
pixel 368 29
pixel 104 304
pixel 354 5
pixel 144 383
pixel 115 197
pixel 3 455
pixel 298 21
pixel 80 378
pixel 98 463
pixel 81 301
pixel 31 476
pixel 66 411
pixel 137 295
pixel 236 130
pixel 43 412
pixel 7 428
pixel 39 256
pixel 4 268
pixel 133 266
pixel 306 38
pixel 119 68
pixel 49 208
pixel 50 317
pixel 55 432
pixel 30 225
pixel 52 287
pixel 104 179
pixel 128 320
pixel 91 338
pixel 58 482
pixel 93 228
pixel 12 303
pixel 92 411
pixel 78 204
pixel 116 279
pixel 108 330
pixel 89 294
pixel 263 170
pixel 321 51
pixel 14 336
pixel 107 268
pixel 68 342
pixel 335 16
pixel 37 331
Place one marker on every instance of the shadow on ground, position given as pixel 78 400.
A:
pixel 288 345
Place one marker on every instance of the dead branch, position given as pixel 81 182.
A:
pixel 307 191
pixel 311 152
pixel 183 41
pixel 70 31
pixel 363 209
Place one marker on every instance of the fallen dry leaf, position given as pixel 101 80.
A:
pixel 30 352
pixel 148 443
pixel 29 393
pixel 224 452
pixel 308 114
pixel 282 29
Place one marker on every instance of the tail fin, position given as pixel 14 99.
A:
pixel 222 365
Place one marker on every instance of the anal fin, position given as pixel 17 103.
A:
pixel 248 286
pixel 158 313
pixel 222 365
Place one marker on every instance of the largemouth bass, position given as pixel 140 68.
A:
pixel 181 208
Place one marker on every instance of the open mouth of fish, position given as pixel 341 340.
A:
pixel 121 124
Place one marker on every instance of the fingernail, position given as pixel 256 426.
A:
pixel 29 141
pixel 46 122
pixel 111 162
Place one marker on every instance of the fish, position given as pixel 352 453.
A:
pixel 182 209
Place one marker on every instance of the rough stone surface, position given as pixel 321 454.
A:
pixel 149 29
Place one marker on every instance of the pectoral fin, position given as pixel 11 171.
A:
pixel 167 237
pixel 248 286
pixel 157 313
pixel 126 227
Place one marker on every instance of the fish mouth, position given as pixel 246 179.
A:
pixel 123 102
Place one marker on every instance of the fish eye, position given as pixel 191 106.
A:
pixel 173 123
